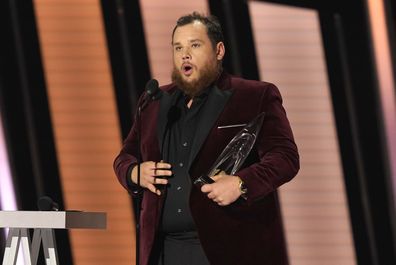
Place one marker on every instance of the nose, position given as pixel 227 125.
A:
pixel 186 55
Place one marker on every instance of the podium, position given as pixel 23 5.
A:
pixel 43 224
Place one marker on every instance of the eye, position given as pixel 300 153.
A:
pixel 178 48
pixel 196 45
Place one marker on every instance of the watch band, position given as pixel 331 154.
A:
pixel 242 188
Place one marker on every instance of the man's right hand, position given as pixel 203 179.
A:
pixel 151 174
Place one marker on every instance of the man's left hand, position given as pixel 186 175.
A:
pixel 224 191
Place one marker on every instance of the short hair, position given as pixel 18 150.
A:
pixel 212 24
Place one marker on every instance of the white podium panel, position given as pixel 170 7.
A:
pixel 43 223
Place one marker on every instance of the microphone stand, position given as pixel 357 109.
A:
pixel 152 94
pixel 139 192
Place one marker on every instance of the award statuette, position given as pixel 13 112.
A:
pixel 235 153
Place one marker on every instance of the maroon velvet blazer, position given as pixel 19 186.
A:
pixel 245 232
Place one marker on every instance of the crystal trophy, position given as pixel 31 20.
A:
pixel 235 153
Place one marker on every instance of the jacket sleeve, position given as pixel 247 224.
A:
pixel 127 159
pixel 278 156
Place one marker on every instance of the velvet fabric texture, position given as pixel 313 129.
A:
pixel 247 232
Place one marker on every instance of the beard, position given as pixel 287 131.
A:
pixel 208 75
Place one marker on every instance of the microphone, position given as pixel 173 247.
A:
pixel 45 203
pixel 152 89
pixel 153 92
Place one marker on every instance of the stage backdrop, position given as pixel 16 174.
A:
pixel 86 128
pixel 315 211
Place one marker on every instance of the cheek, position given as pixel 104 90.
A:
pixel 200 60
pixel 176 57
pixel 204 59
pixel 176 64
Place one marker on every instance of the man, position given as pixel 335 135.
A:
pixel 235 220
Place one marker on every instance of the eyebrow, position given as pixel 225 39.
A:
pixel 194 40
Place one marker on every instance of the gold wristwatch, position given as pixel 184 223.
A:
pixel 242 188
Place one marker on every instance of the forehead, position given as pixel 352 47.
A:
pixel 192 31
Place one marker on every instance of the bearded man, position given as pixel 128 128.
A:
pixel 236 219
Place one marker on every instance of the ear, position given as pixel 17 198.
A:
pixel 220 51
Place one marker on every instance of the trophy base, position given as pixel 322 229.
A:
pixel 202 180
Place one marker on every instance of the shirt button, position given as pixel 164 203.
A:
pixel 179 210
pixel 179 188
pixel 185 144
pixel 181 164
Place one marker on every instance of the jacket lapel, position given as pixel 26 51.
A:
pixel 215 104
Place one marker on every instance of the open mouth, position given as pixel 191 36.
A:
pixel 187 69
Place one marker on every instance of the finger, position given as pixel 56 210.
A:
pixel 215 178
pixel 153 189
pixel 219 176
pixel 150 164
pixel 211 196
pixel 161 172
pixel 221 203
pixel 148 171
pixel 152 180
pixel 216 199
pixel 206 188
pixel 159 181
pixel 162 165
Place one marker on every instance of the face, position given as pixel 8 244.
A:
pixel 196 62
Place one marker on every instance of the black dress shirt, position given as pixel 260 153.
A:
pixel 182 128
